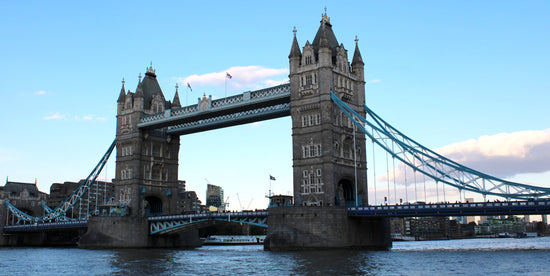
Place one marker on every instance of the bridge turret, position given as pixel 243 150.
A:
pixel 324 155
pixel 176 102
pixel 146 178
pixel 121 98
pixel 357 63
pixel 295 55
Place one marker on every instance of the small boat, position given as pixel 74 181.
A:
pixel 234 240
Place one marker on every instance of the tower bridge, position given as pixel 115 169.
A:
pixel 331 124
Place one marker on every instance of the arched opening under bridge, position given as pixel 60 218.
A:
pixel 345 188
pixel 153 206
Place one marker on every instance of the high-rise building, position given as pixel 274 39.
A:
pixel 214 196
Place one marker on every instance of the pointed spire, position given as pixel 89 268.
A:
pixel 295 50
pixel 122 95
pixel 139 89
pixel 357 60
pixel 323 43
pixel 151 71
pixel 324 17
pixel 176 102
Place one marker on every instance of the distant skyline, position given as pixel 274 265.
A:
pixel 469 79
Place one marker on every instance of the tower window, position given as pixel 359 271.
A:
pixel 309 80
pixel 308 60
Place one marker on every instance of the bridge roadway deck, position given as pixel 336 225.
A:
pixel 36 227
pixel 166 224
pixel 532 207
pixel 251 106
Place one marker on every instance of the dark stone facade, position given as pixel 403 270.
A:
pixel 146 178
pixel 303 228
pixel 325 150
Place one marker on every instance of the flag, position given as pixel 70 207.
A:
pixel 189 85
pixel 228 75
pixel 271 177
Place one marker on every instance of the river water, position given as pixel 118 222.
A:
pixel 530 256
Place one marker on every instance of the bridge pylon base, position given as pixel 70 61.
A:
pixel 132 232
pixel 303 228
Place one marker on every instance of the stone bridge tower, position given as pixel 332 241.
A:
pixel 329 158
pixel 327 170
pixel 146 160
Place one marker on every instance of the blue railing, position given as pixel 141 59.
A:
pixel 454 209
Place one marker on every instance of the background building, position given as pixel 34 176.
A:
pixel 25 196
pixel 214 196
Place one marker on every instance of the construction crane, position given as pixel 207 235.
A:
pixel 238 198
pixel 226 203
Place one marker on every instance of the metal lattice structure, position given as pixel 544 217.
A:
pixel 250 106
pixel 433 165
pixel 177 223
pixel 60 212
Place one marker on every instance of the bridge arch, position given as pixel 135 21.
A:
pixel 346 192
pixel 152 206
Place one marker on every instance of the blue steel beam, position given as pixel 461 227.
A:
pixel 264 104
pixel 433 165
pixel 169 224
pixel 36 227
pixel 60 211
pixel 531 207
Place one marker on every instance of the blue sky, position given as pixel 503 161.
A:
pixel 469 77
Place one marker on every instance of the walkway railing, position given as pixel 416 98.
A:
pixel 168 224
pixel 233 105
pixel 531 207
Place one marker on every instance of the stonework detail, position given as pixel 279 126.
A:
pixel 146 178
pixel 326 153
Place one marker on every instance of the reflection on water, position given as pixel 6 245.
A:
pixel 452 257
pixel 143 261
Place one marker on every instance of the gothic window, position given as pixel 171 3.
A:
pixel 146 172
pixel 304 173
pixel 318 172
pixel 156 150
pixel 309 80
pixel 317 119
pixel 304 121
pixel 308 60
pixel 347 148
pixel 312 150
pixel 156 174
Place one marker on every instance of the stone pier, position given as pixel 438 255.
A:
pixel 302 228
pixel 132 232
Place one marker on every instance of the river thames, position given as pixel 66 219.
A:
pixel 448 257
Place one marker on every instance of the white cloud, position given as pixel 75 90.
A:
pixel 56 116
pixel 503 155
pixel 374 81
pixel 41 92
pixel 243 77
pixel 90 118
